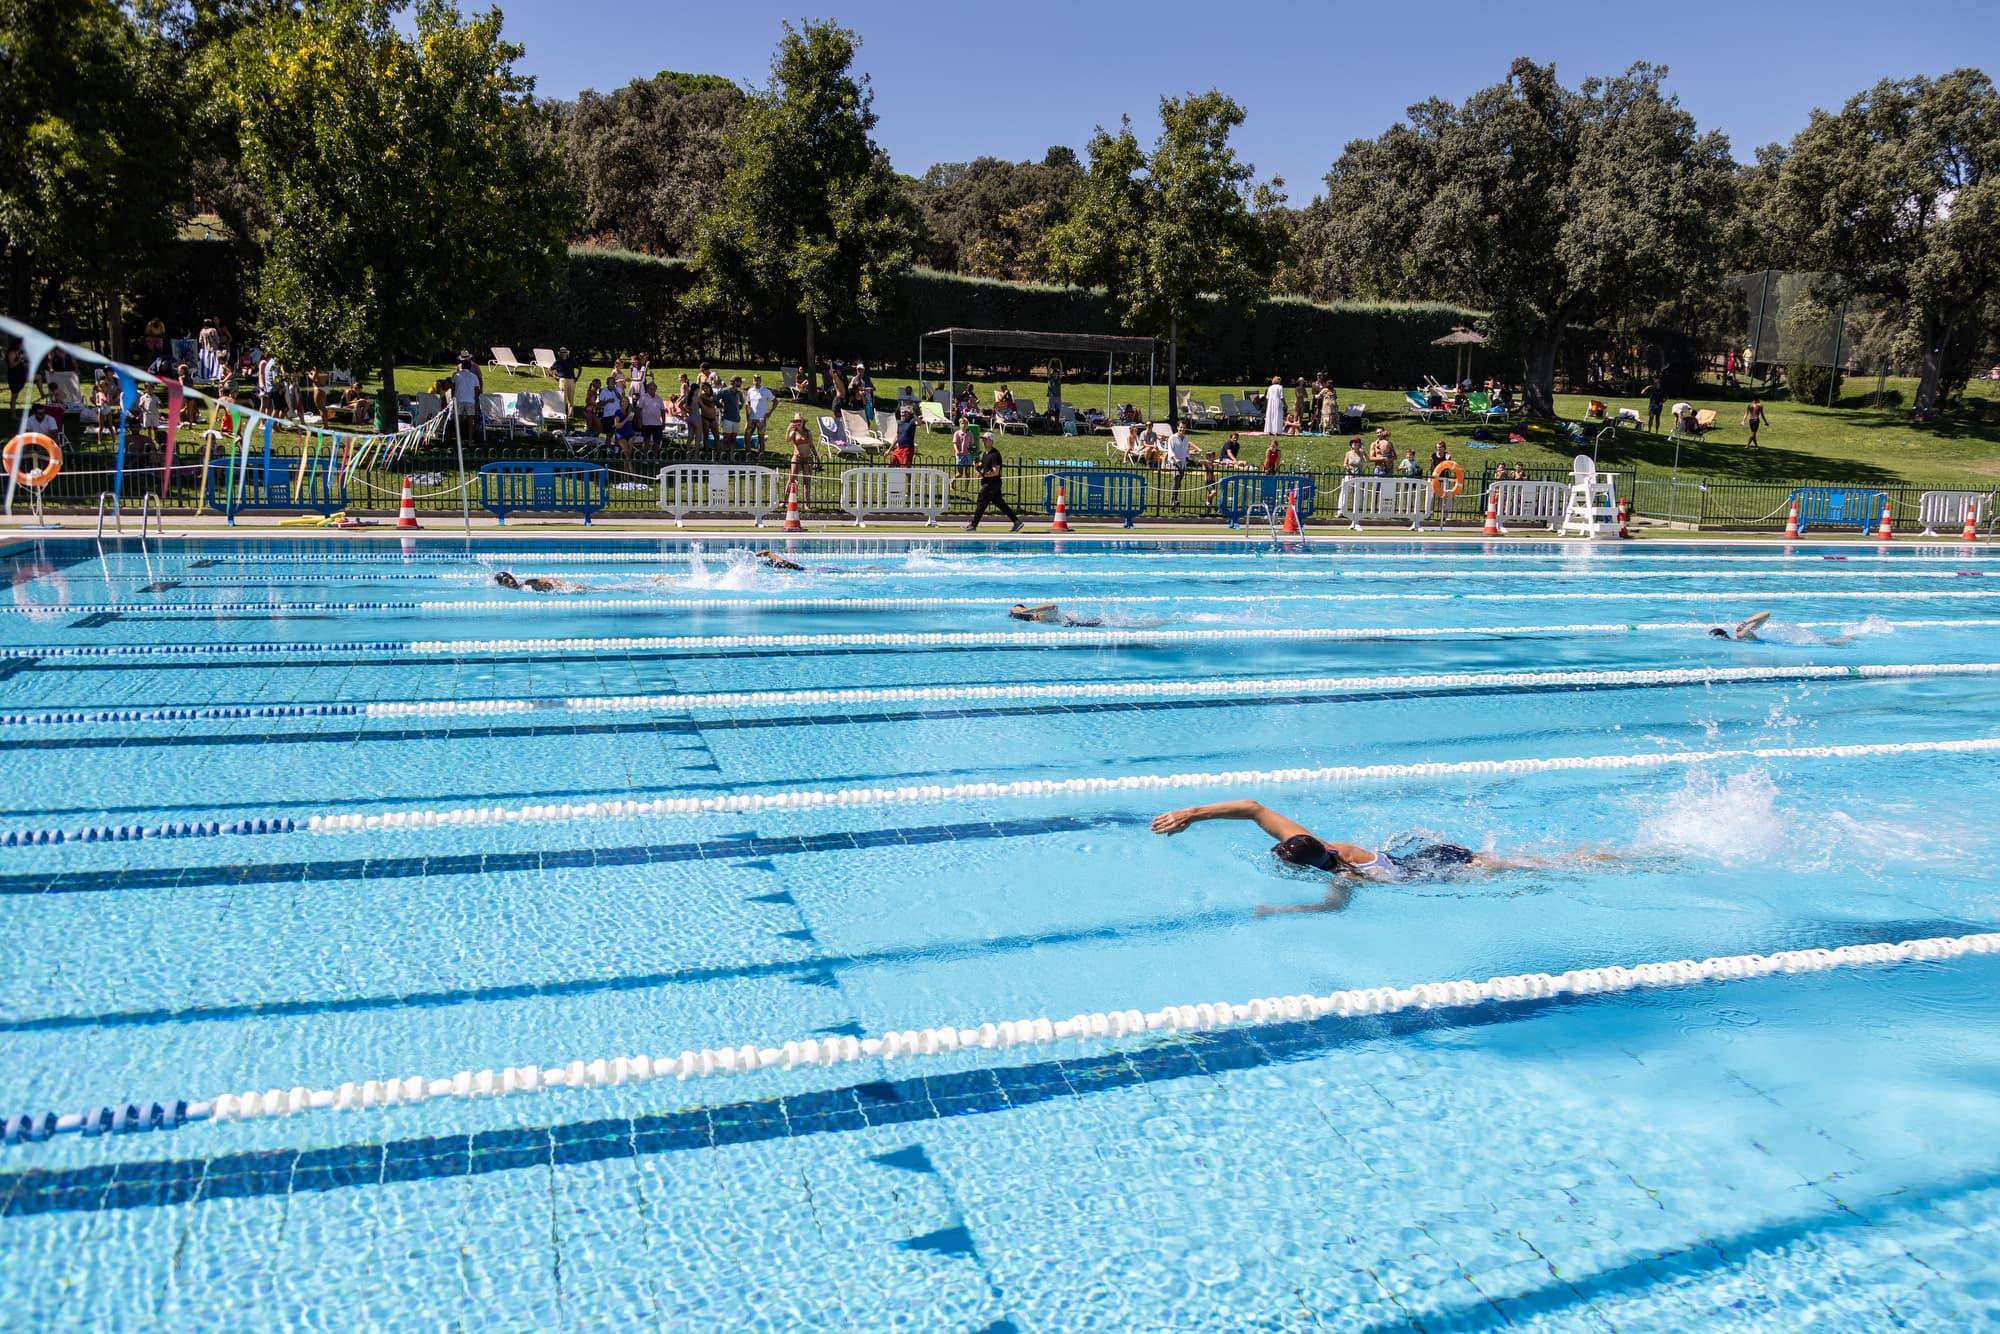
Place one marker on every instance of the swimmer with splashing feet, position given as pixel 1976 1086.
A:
pixel 1298 847
pixel 1049 613
pixel 535 583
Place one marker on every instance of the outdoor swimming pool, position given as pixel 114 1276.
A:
pixel 1734 1154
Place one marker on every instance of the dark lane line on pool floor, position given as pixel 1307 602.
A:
pixel 32 884
pixel 794 969
pixel 256 1174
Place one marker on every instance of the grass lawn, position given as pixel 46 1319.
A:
pixel 1849 443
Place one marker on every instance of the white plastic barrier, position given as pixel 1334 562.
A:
pixel 1529 502
pixel 721 488
pixel 1946 510
pixel 1384 499
pixel 866 491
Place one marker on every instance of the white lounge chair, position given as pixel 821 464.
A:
pixel 504 358
pixel 496 414
pixel 792 375
pixel 859 432
pixel 423 407
pixel 1125 444
pixel 933 415
pixel 554 413
pixel 833 438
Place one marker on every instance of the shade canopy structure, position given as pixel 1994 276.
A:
pixel 1464 340
pixel 1108 345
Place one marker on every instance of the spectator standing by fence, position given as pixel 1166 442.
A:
pixel 1656 401
pixel 465 387
pixel 962 447
pixel 565 372
pixel 730 401
pixel 804 456
pixel 757 405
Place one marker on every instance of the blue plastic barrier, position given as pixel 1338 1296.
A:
pixel 274 484
pixel 1097 493
pixel 1839 507
pixel 544 486
pixel 1235 496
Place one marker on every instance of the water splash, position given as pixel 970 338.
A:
pixel 1731 819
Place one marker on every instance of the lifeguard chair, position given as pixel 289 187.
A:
pixel 1592 508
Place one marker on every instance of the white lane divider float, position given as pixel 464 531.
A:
pixel 919 794
pixel 1513 553
pixel 931 793
pixel 756 604
pixel 904 1044
pixel 1070 638
pixel 1214 687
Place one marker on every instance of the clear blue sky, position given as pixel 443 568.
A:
pixel 953 81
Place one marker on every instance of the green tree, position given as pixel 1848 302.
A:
pixel 644 157
pixel 1544 205
pixel 1900 193
pixel 990 217
pixel 401 177
pixel 809 215
pixel 1160 231
pixel 91 162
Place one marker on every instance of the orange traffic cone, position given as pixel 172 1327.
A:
pixel 1971 533
pixel 1492 528
pixel 1887 530
pixel 1060 524
pixel 406 517
pixel 1792 521
pixel 792 524
pixel 1292 511
pixel 1624 518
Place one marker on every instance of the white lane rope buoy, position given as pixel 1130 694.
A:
pixel 756 604
pixel 737 803
pixel 1214 687
pixel 1070 638
pixel 1002 1035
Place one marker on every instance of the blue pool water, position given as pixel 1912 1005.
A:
pixel 1731 1155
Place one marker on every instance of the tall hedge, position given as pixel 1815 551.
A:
pixel 618 302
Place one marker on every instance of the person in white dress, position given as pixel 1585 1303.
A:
pixel 1274 407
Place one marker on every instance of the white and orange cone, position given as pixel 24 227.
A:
pixel 1971 533
pixel 1887 530
pixel 1624 518
pixel 406 516
pixel 1492 528
pixel 1792 521
pixel 1292 512
pixel 792 524
pixel 1060 523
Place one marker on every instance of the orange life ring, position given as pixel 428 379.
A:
pixel 40 477
pixel 1437 479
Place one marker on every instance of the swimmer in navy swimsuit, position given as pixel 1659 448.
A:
pixel 1296 846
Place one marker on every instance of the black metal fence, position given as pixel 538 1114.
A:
pixel 1657 495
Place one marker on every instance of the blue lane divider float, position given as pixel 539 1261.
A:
pixel 132 833
pixel 206 713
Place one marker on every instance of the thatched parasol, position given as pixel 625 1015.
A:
pixel 1461 338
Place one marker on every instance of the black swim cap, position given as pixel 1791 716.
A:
pixel 1305 850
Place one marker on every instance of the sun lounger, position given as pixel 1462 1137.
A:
pixel 1419 407
pixel 504 358
pixel 833 437
pixel 933 415
pixel 859 432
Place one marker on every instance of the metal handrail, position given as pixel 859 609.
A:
pixel 150 503
pixel 117 514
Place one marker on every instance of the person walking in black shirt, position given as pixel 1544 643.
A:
pixel 989 489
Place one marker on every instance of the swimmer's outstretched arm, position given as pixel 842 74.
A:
pixel 1268 820
pixel 1337 898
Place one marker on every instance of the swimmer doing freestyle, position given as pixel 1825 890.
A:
pixel 535 583
pixel 1299 847
pixel 1049 613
